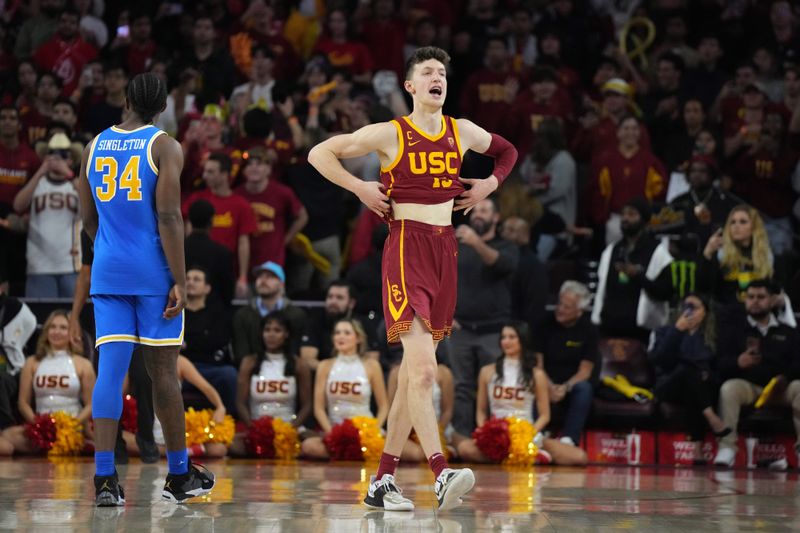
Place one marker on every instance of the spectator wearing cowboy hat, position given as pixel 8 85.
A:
pixel 54 244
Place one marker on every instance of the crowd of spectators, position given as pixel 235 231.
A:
pixel 668 171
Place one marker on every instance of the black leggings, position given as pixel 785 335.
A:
pixel 687 387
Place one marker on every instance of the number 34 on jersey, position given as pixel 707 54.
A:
pixel 113 181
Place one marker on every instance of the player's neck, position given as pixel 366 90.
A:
pixel 132 123
pixel 428 120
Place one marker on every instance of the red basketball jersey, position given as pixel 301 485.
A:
pixel 426 169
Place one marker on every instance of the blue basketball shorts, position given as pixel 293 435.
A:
pixel 135 318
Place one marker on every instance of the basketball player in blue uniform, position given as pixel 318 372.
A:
pixel 130 203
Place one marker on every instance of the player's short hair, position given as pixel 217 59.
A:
pixel 147 95
pixel 423 54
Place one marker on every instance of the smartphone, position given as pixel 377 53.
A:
pixel 123 31
pixel 754 345
pixel 688 309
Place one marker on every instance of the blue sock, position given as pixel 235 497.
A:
pixel 178 462
pixel 104 463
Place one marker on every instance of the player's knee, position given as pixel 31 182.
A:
pixel 422 377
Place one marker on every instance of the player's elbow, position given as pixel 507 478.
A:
pixel 170 219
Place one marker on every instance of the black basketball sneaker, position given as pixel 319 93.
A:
pixel 451 485
pixel 198 481
pixel 385 494
pixel 108 492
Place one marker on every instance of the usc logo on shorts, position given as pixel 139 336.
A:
pixel 397 294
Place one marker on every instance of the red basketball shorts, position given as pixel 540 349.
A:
pixel 420 269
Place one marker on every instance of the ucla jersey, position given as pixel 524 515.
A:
pixel 128 257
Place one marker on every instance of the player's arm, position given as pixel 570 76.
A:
pixel 168 155
pixel 326 155
pixel 473 137
pixel 88 208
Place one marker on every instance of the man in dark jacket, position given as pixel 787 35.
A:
pixel 209 255
pixel 750 355
pixel 486 265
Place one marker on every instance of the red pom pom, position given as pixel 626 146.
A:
pixel 344 442
pixel 41 432
pixel 130 413
pixel 492 439
pixel 260 437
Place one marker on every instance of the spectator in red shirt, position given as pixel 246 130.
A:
pixel 17 164
pixel 35 118
pixel 259 23
pixel 729 100
pixel 27 76
pixel 490 91
pixel 550 54
pixel 234 220
pixel 599 133
pixel 275 205
pixel 743 128
pixel 621 174
pixel 535 105
pixel 342 51
pixel 202 137
pixel 385 35
pixel 763 175
pixel 17 160
pixel 138 51
pixel 66 53
pixel 521 41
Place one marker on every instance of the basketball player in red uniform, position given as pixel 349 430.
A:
pixel 421 157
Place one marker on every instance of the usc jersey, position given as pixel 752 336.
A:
pixel 426 169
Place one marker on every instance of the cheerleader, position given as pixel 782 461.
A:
pixel 508 388
pixel 189 373
pixel 443 397
pixel 273 383
pixel 345 384
pixel 56 378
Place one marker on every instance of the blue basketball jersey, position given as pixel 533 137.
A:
pixel 128 257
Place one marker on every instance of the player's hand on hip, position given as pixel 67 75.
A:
pixel 478 190
pixel 371 195
pixel 176 302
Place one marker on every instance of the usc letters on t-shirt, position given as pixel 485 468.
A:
pixel 272 207
pixel 233 217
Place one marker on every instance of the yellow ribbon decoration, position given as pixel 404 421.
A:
pixel 621 384
pixel 766 393
pixel 640 46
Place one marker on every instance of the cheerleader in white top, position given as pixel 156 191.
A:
pixel 344 386
pixel 57 378
pixel 189 373
pixel 273 383
pixel 508 388
pixel 443 399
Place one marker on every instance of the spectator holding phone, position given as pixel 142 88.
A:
pixel 683 355
pixel 751 354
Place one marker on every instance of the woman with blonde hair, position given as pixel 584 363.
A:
pixel 56 378
pixel 345 384
pixel 737 255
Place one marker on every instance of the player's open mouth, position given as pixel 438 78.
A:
pixel 436 91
